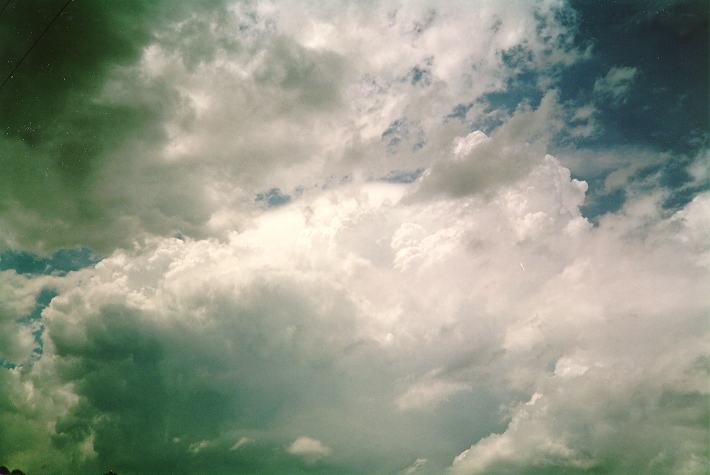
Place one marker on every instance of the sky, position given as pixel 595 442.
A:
pixel 379 237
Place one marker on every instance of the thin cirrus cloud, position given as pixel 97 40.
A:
pixel 338 238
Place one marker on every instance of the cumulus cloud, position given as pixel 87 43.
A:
pixel 534 447
pixel 315 234
pixel 305 324
pixel 201 108
pixel 478 164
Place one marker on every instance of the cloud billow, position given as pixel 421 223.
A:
pixel 310 266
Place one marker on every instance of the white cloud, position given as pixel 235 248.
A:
pixel 197 447
pixel 428 393
pixel 523 444
pixel 475 307
pixel 241 443
pixel 315 294
pixel 298 95
pixel 416 466
pixel 308 448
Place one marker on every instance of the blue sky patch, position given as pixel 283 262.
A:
pixel 403 176
pixel 667 44
pixel 59 263
pixel 273 198
pixel 34 320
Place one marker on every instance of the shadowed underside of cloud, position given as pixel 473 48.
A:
pixel 313 266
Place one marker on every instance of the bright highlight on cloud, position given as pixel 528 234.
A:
pixel 349 238
pixel 308 448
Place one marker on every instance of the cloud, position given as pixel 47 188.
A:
pixel 416 466
pixel 478 164
pixel 241 443
pixel 308 229
pixel 429 392
pixel 58 132
pixel 534 438
pixel 304 323
pixel 615 86
pixel 309 448
pixel 533 448
pixel 194 109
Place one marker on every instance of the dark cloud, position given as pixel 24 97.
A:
pixel 56 131
pixel 49 103
pixel 152 392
